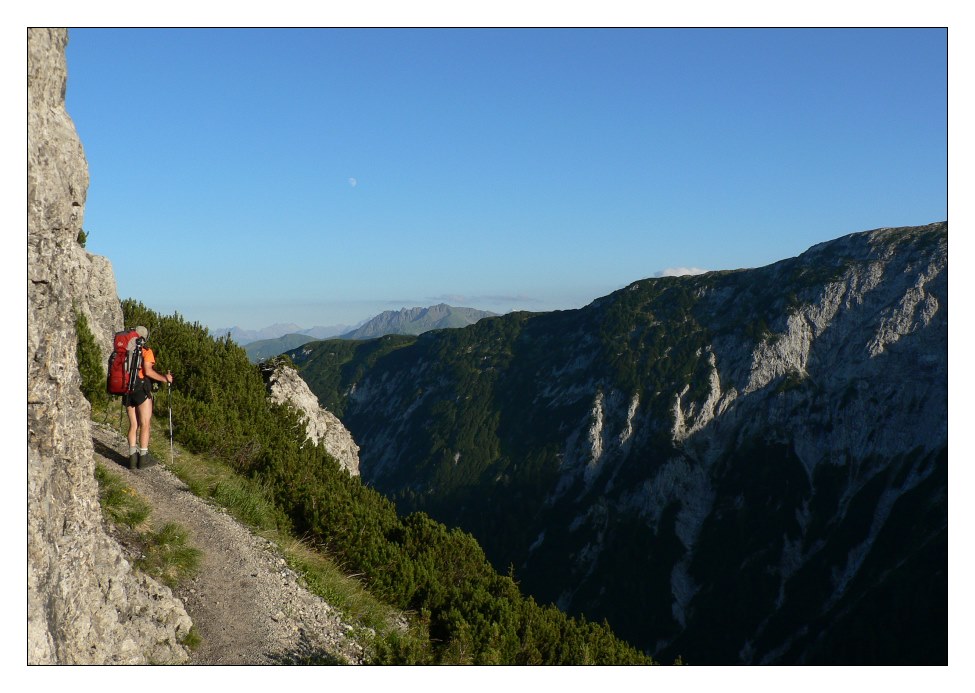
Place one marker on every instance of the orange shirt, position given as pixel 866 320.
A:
pixel 147 357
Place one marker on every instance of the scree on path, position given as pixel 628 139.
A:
pixel 246 604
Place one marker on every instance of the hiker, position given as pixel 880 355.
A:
pixel 138 404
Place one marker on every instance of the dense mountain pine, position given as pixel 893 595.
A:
pixel 738 467
pixel 469 612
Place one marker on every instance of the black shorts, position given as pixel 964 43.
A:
pixel 142 392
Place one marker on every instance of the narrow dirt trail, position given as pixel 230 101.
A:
pixel 245 602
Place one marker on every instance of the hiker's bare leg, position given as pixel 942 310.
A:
pixel 145 416
pixel 133 425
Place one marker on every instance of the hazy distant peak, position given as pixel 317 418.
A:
pixel 417 320
pixel 244 337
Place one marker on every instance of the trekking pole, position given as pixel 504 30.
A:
pixel 169 400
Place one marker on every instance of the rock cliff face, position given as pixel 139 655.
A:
pixel 737 467
pixel 284 385
pixel 85 604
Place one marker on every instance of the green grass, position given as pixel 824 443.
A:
pixel 192 639
pixel 164 553
pixel 120 504
pixel 250 504
pixel 344 592
pixel 167 556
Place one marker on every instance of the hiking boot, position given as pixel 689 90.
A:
pixel 134 460
pixel 147 460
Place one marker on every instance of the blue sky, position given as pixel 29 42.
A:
pixel 248 177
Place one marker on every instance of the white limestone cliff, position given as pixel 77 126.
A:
pixel 322 427
pixel 85 604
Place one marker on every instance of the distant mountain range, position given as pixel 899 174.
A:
pixel 271 341
pixel 244 337
pixel 416 321
pixel 266 348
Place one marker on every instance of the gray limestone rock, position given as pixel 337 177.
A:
pixel 85 603
pixel 322 426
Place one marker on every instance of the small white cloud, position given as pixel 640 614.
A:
pixel 680 271
pixel 353 182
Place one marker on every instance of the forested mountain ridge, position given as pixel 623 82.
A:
pixel 268 348
pixel 765 449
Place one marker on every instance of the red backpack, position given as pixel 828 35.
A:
pixel 125 362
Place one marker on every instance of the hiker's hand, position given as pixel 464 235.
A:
pixel 169 376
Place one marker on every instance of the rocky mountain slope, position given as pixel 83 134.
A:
pixel 738 467
pixel 322 427
pixel 85 605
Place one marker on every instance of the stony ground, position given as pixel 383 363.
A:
pixel 246 604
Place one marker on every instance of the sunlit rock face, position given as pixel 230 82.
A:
pixel 321 426
pixel 737 467
pixel 85 604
